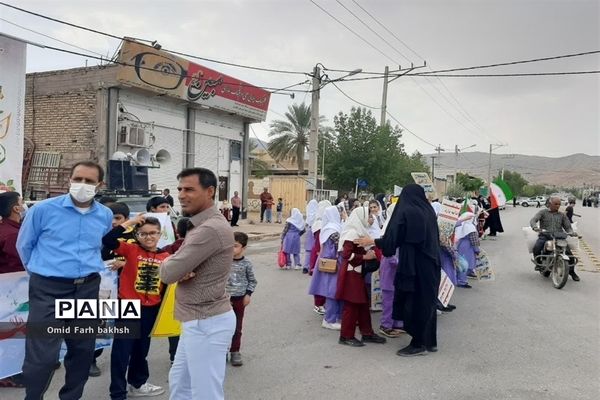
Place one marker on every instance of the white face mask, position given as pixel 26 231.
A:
pixel 24 211
pixel 82 192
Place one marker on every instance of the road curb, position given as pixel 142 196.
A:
pixel 263 236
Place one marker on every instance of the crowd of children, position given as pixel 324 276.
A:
pixel 340 269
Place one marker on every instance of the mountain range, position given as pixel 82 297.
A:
pixel 574 170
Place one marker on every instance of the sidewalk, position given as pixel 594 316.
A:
pixel 257 230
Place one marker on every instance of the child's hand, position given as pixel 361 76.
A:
pixel 138 219
pixel 246 300
pixel 116 265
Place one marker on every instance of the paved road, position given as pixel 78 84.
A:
pixel 514 338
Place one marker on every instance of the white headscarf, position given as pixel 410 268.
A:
pixel 465 228
pixel 311 212
pixel 318 223
pixel 296 219
pixel 332 223
pixel 390 211
pixel 356 226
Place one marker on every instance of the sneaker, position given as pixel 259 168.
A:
pixel 94 370
pixel 352 342
pixel 319 310
pixel 336 326
pixel 390 332
pixel 146 390
pixel 298 267
pixel 410 351
pixel 236 359
pixel 465 286
pixel 432 349
pixel 374 338
pixel 305 270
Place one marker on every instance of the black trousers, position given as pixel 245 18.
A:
pixel 128 362
pixel 41 352
pixel 173 343
pixel 263 208
pixel 235 215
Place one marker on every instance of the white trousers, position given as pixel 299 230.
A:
pixel 198 371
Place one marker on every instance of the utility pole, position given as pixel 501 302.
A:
pixel 313 139
pixel 456 151
pixel 384 97
pixel 323 167
pixel 439 150
pixel 492 148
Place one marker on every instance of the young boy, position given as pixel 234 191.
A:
pixel 279 210
pixel 240 287
pixel 139 280
pixel 120 215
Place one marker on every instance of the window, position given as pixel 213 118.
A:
pixel 236 151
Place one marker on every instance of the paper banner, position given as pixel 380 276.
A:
pixel 167 234
pixel 447 218
pixel 446 290
pixel 376 299
pixel 14 310
pixel 12 113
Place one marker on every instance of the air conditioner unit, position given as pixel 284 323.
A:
pixel 132 135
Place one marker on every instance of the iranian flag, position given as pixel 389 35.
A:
pixel 500 193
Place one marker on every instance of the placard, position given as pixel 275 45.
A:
pixel 446 290
pixel 422 179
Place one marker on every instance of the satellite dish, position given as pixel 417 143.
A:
pixel 142 157
pixel 119 156
pixel 163 156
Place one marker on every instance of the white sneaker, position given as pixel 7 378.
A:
pixel 297 267
pixel 336 326
pixel 146 390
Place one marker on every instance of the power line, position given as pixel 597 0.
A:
pixel 274 90
pixel 354 100
pixel 409 131
pixel 389 31
pixel 510 63
pixel 50 37
pixel 356 34
pixel 372 30
pixel 511 75
pixel 170 51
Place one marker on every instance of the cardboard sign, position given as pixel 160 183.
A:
pixel 422 179
pixel 376 299
pixel 447 218
pixel 166 325
pixel 446 290
pixel 483 268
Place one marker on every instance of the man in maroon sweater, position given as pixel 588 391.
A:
pixel 11 210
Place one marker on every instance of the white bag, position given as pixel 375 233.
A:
pixel 531 237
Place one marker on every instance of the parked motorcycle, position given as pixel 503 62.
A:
pixel 554 261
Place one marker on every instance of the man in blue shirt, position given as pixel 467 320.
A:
pixel 59 244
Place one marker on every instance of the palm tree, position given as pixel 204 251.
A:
pixel 290 137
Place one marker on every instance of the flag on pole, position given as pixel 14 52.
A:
pixel 508 194
pixel 465 207
pixel 499 194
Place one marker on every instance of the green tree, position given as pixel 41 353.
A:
pixel 408 164
pixel 515 181
pixel 468 182
pixel 455 190
pixel 362 149
pixel 290 136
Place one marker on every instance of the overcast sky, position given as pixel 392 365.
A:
pixel 550 116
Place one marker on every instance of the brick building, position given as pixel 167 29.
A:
pixel 152 121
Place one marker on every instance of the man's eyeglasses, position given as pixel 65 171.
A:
pixel 144 235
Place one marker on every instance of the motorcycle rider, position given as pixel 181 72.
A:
pixel 553 221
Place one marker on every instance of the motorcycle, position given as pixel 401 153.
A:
pixel 554 261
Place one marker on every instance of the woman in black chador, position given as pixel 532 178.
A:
pixel 413 230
